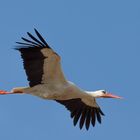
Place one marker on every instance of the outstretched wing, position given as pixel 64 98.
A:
pixel 82 112
pixel 41 63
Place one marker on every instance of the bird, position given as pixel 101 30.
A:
pixel 47 81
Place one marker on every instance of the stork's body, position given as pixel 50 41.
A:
pixel 46 80
pixel 65 91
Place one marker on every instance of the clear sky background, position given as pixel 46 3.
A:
pixel 99 42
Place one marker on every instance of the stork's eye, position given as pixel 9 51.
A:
pixel 104 91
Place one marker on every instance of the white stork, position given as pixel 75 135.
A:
pixel 46 80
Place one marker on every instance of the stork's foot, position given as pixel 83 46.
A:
pixel 14 91
pixel 3 92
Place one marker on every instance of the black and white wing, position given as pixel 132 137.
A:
pixel 80 111
pixel 41 63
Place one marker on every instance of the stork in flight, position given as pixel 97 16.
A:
pixel 46 80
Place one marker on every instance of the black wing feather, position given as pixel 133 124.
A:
pixel 88 118
pixel 81 112
pixel 36 40
pixel 82 119
pixel 98 115
pixel 41 38
pixel 26 44
pixel 33 59
pixel 77 116
pixel 29 41
pixel 93 117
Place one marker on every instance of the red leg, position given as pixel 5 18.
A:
pixel 3 92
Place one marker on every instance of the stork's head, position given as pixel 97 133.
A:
pixel 104 94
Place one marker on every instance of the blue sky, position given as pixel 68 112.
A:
pixel 99 42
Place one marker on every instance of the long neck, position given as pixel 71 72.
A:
pixel 95 94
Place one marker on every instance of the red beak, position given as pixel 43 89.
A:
pixel 108 95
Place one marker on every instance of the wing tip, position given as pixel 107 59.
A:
pixel 84 115
pixel 34 42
